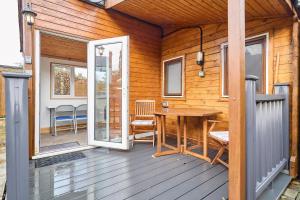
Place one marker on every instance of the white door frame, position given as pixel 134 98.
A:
pixel 91 92
pixel 37 66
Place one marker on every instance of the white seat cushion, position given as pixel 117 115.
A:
pixel 142 122
pixel 220 135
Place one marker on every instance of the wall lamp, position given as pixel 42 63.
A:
pixel 200 53
pixel 29 14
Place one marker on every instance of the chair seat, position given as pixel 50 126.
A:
pixel 64 118
pixel 220 135
pixel 81 117
pixel 142 122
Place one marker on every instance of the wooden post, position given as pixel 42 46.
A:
pixel 28 52
pixel 237 149
pixel 295 98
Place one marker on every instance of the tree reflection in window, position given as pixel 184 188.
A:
pixel 62 79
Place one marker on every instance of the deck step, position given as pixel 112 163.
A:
pixel 279 185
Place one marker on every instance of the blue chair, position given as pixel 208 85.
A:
pixel 80 115
pixel 63 114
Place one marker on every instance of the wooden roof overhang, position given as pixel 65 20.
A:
pixel 181 13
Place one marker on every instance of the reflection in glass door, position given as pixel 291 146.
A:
pixel 108 92
pixel 109 104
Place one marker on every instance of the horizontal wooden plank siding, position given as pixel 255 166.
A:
pixel 206 92
pixel 78 19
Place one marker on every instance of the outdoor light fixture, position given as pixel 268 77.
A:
pixel 98 3
pixel 29 15
pixel 101 50
pixel 200 54
pixel 200 58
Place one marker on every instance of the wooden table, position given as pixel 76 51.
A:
pixel 185 113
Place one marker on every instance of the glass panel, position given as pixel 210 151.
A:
pixel 108 93
pixel 62 79
pixel 80 82
pixel 173 78
pixel 254 63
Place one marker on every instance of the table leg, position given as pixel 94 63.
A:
pixel 205 137
pixel 158 119
pixel 164 129
pixel 199 135
pixel 184 133
pixel 178 134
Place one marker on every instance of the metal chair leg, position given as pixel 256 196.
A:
pixel 55 134
pixel 75 126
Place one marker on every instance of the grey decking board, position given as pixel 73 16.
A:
pixel 133 179
pixel 101 170
pixel 59 181
pixel 158 189
pixel 219 193
pixel 102 163
pixel 189 185
pixel 155 180
pixel 206 188
pixel 98 155
pixel 107 180
pixel 160 179
pixel 107 177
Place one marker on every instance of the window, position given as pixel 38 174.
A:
pixel 68 81
pixel 255 60
pixel 173 74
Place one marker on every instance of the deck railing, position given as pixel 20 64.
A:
pixel 267 134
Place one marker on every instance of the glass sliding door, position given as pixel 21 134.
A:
pixel 108 92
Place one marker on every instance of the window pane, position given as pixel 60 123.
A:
pixel 254 63
pixel 80 82
pixel 173 75
pixel 62 79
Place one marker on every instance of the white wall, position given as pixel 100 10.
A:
pixel 45 90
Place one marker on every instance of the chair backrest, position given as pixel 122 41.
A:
pixel 81 110
pixel 64 110
pixel 144 108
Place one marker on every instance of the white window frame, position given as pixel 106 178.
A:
pixel 72 81
pixel 267 60
pixel 182 78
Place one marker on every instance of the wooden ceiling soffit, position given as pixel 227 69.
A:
pixel 167 14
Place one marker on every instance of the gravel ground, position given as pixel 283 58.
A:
pixel 292 192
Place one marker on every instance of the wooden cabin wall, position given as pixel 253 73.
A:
pixel 79 19
pixel 206 92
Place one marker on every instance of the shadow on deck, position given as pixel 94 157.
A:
pixel 112 174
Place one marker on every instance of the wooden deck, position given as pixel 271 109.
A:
pixel 112 174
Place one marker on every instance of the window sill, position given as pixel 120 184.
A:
pixel 223 99
pixel 173 98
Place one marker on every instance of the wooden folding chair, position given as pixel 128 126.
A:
pixel 222 138
pixel 143 120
